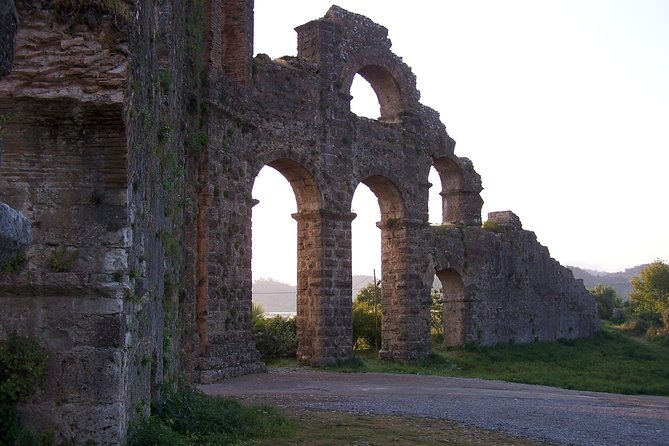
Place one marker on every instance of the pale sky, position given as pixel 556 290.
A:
pixel 563 107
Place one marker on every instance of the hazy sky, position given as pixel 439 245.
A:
pixel 563 107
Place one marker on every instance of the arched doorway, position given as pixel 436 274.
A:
pixel 396 308
pixel 308 255
pixel 456 308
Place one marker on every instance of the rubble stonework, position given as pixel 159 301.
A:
pixel 133 148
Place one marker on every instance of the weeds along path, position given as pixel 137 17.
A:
pixel 537 412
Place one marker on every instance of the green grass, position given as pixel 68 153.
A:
pixel 613 362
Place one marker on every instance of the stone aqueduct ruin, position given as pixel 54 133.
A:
pixel 132 142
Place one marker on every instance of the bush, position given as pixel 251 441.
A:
pixel 22 364
pixel 637 326
pixel 607 300
pixel 366 325
pixel 275 337
pixel 189 417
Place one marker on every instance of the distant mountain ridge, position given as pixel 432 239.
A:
pixel 275 296
pixel 619 281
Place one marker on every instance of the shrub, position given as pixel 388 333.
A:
pixel 366 325
pixel 637 326
pixel 189 417
pixel 493 226
pixel 606 299
pixel 275 337
pixel 22 363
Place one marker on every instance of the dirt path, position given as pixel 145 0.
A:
pixel 536 412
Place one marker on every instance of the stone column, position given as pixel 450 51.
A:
pixel 405 300
pixel 324 320
pixel 461 207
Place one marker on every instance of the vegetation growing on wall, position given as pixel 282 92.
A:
pixel 22 363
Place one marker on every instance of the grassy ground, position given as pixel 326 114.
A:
pixel 310 428
pixel 611 362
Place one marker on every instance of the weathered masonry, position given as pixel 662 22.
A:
pixel 131 139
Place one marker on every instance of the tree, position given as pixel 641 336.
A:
pixel 606 299
pixel 437 313
pixel 650 290
pixel 371 293
pixel 367 317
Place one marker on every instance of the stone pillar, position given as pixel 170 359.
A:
pixel 324 320
pixel 405 300
pixel 461 207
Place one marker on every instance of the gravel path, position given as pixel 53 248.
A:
pixel 537 412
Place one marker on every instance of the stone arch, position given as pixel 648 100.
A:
pixel 456 308
pixel 392 81
pixel 390 199
pixel 310 256
pixel 460 191
pixel 387 90
pixel 395 239
pixel 307 192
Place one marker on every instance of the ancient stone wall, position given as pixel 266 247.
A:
pixel 501 285
pixel 100 118
pixel 297 119
pixel 132 142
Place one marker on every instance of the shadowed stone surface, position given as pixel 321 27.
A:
pixel 8 24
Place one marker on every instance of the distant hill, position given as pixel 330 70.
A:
pixel 275 296
pixel 619 281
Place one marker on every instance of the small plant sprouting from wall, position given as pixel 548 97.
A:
pixel 492 226
pixel 14 264
pixel 22 365
pixel 62 259
pixel 117 8
pixel 3 126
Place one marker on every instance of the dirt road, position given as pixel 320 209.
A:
pixel 536 412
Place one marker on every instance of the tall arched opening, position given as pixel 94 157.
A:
pixel 396 307
pixel 308 256
pixel 366 268
pixel 435 198
pixel 456 308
